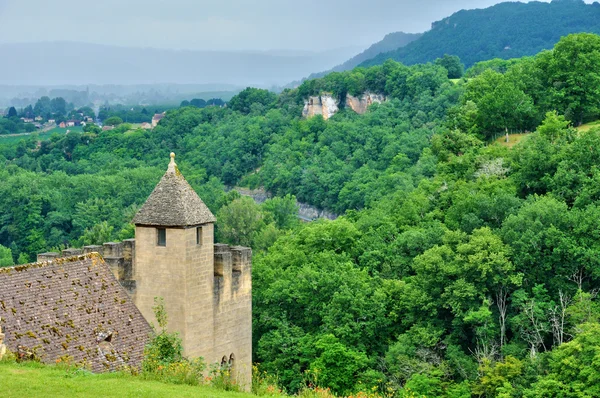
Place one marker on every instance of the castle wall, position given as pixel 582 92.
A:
pixel 233 310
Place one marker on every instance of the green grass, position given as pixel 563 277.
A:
pixel 37 380
pixel 41 136
pixel 513 139
pixel 589 126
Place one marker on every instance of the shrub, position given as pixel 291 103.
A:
pixel 163 355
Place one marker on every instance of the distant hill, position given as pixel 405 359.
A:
pixel 70 63
pixel 391 41
pixel 506 30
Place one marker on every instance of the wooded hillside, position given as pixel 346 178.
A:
pixel 460 267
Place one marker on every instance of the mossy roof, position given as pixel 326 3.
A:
pixel 72 309
pixel 173 203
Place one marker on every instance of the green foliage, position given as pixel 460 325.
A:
pixel 283 211
pixel 336 366
pixel 453 65
pixel 238 221
pixel 253 100
pixel 164 348
pixel 507 30
pixel 6 257
pixel 113 121
pixel 163 355
pixel 572 369
pixel 575 81
pixel 553 127
pixel 497 379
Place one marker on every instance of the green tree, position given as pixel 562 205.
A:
pixel 501 105
pixel 452 64
pixel 113 121
pixel 284 211
pixel 553 127
pixel 337 366
pixel 242 102
pixel 574 76
pixel 6 258
pixel 572 368
pixel 238 221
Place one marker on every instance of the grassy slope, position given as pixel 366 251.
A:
pixel 5 139
pixel 513 139
pixel 588 126
pixel 35 380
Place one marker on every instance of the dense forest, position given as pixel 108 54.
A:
pixel 506 30
pixel 460 267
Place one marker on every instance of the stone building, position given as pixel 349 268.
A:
pixel 206 287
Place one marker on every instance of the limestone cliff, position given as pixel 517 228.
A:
pixel 312 107
pixel 330 106
pixel 362 103
pixel 327 106
pixel 324 105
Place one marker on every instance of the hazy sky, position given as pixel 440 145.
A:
pixel 222 24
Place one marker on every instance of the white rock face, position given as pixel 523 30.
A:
pixel 312 107
pixel 362 103
pixel 330 106
pixel 327 106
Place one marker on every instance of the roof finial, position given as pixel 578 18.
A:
pixel 172 164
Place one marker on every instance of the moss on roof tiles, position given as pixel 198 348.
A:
pixel 43 311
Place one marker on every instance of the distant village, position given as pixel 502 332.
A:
pixel 38 122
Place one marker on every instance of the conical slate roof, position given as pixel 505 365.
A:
pixel 173 203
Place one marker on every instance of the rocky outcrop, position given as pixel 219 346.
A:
pixel 306 212
pixel 362 103
pixel 327 106
pixel 323 105
pixel 330 106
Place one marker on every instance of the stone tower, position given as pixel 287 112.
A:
pixel 207 288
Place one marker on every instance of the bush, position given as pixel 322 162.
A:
pixel 264 384
pixel 163 355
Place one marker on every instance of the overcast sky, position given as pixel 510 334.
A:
pixel 222 24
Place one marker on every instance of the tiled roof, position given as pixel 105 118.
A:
pixel 71 308
pixel 173 203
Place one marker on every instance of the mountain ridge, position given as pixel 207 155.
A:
pixel 390 42
pixel 505 30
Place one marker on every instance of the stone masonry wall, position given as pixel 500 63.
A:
pixel 181 273
pixel 2 346
pixel 233 310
